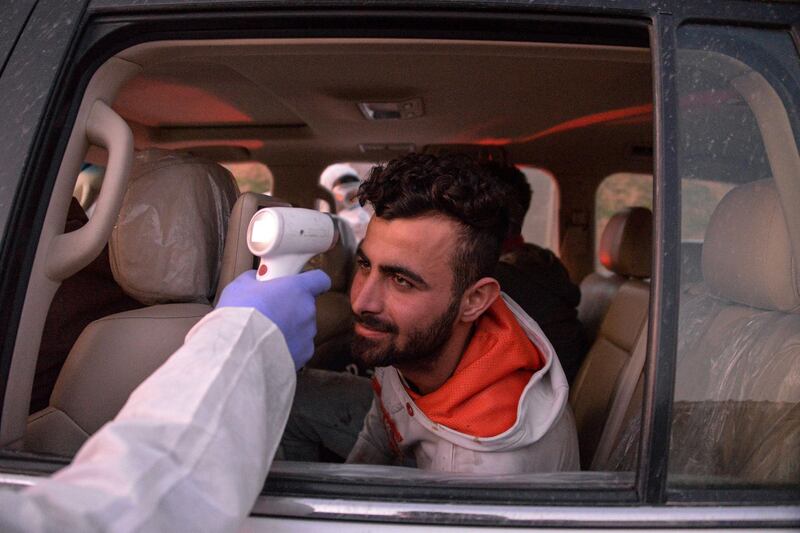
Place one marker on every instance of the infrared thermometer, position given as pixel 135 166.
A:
pixel 285 238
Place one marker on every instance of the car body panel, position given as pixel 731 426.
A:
pixel 13 20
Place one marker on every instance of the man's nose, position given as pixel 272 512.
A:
pixel 366 295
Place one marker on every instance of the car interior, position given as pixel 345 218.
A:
pixel 113 294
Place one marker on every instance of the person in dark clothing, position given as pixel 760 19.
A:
pixel 538 281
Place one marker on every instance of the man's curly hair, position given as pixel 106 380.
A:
pixel 454 186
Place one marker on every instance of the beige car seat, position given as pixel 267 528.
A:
pixel 608 375
pixel 737 385
pixel 625 249
pixel 334 316
pixel 165 252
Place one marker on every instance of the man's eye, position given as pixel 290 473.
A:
pixel 401 281
pixel 362 264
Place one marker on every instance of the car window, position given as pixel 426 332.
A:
pixel 252 176
pixel 737 382
pixel 541 222
pixel 303 168
pixel 700 197
pixel 540 227
pixel 738 369
pixel 615 193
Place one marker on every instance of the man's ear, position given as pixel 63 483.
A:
pixel 478 298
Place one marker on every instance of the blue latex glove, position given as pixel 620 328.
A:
pixel 287 301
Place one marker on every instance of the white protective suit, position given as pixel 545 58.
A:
pixel 191 448
pixel 543 438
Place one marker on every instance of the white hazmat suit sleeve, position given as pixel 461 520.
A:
pixel 191 448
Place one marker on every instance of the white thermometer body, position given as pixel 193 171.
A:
pixel 285 238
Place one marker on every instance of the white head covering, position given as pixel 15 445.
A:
pixel 334 173
pixel 344 194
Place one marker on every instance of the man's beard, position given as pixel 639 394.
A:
pixel 423 344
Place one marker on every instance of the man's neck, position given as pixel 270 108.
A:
pixel 429 375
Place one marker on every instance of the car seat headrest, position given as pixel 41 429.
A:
pixel 626 243
pixel 747 254
pixel 168 241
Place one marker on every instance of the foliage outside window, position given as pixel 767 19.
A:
pixel 252 176
pixel 618 191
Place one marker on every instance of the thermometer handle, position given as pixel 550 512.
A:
pixel 285 265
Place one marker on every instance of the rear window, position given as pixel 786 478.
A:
pixel 623 190
pixel 252 176
pixel 615 193
pixel 541 222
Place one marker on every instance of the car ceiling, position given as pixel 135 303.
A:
pixel 286 102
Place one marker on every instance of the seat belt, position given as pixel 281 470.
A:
pixel 626 386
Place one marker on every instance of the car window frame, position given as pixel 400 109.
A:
pixel 107 36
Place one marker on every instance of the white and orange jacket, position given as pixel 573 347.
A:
pixel 503 411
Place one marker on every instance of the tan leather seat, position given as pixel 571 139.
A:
pixel 737 385
pixel 625 249
pixel 166 248
pixel 607 378
pixel 334 317
pixel 613 365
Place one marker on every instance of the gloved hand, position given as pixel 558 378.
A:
pixel 287 301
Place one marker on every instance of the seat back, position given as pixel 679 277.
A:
pixel 625 250
pixel 737 395
pixel 613 362
pixel 166 248
pixel 89 294
pixel 620 302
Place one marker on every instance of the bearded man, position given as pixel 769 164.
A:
pixel 464 380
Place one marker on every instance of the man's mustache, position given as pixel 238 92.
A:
pixel 374 323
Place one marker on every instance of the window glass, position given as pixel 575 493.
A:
pixel 541 222
pixel 735 414
pixel 615 193
pixel 521 462
pixel 252 176
pixel 699 198
pixel 618 191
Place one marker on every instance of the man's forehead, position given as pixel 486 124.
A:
pixel 424 243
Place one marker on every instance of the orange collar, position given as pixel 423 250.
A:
pixel 481 397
